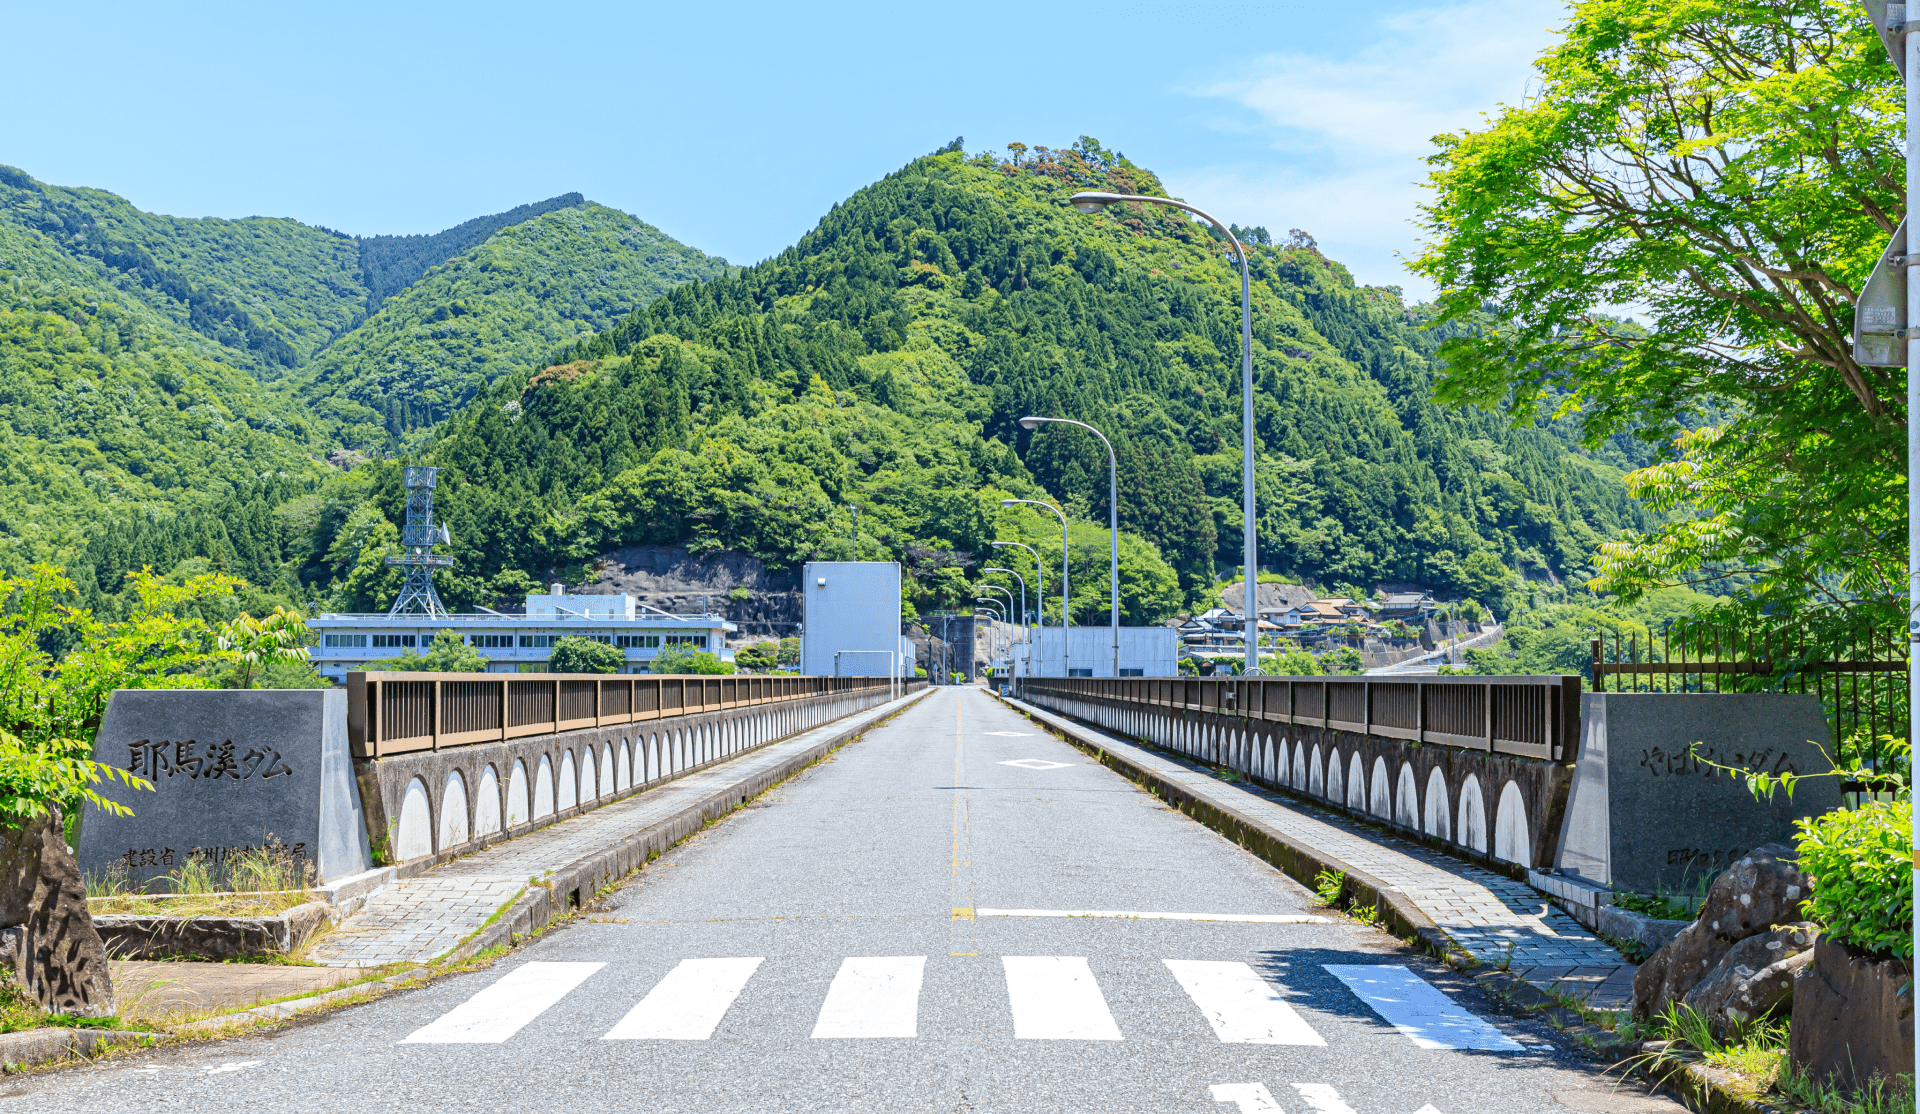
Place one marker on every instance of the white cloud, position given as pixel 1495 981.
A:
pixel 1352 132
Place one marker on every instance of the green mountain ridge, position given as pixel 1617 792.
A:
pixel 586 383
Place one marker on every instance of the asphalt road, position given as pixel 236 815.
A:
pixel 831 949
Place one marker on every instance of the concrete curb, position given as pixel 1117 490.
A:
pixel 32 1047
pixel 275 1011
pixel 572 885
pixel 1298 860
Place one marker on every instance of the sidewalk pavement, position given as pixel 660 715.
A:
pixel 423 917
pixel 1455 906
pixel 154 991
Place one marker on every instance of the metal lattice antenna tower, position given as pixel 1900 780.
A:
pixel 419 536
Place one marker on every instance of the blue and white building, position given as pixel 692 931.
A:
pixel 518 643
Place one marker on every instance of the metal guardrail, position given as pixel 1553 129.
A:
pixel 397 713
pixel 1534 717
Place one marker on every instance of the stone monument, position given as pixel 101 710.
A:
pixel 1646 816
pixel 233 771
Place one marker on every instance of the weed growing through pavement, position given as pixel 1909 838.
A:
pixel 1327 887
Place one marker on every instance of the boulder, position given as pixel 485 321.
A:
pixel 47 940
pixel 1755 977
pixel 1852 1016
pixel 1764 888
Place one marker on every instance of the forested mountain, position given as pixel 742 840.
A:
pixel 497 307
pixel 963 293
pixel 587 383
pixel 148 364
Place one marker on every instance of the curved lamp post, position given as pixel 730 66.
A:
pixel 1066 594
pixel 1038 617
pixel 1009 592
pixel 991 606
pixel 1091 202
pixel 1023 590
pixel 1113 520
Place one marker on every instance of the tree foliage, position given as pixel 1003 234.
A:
pixel 577 654
pixel 1736 168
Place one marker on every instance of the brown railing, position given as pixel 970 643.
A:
pixel 1537 717
pixel 394 713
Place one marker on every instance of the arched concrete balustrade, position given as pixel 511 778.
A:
pixel 413 836
pixel 454 829
pixel 1473 816
pixel 1406 799
pixel 543 789
pixel 1510 840
pixel 1356 784
pixel 1436 820
pixel 486 803
pixel 519 796
pixel 1380 800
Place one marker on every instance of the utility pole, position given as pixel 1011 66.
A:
pixel 1889 312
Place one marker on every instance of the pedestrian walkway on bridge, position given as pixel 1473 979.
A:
pixel 1493 918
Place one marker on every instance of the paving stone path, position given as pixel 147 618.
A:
pixel 1492 917
pixel 419 919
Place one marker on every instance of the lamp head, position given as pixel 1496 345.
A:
pixel 1031 423
pixel 1009 502
pixel 1091 202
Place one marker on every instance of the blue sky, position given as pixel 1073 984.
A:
pixel 735 126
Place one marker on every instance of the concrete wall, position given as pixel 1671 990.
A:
pixel 1494 807
pixel 426 807
pixel 852 626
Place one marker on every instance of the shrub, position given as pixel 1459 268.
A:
pixel 1862 865
pixel 574 654
pixel 448 653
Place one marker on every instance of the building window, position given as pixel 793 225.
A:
pixel 699 640
pixel 1133 672
pixel 392 640
pixel 536 641
pixel 637 641
pixel 359 640
pixel 532 667
pixel 1079 672
pixel 491 641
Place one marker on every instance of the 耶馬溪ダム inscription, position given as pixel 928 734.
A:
pixel 150 759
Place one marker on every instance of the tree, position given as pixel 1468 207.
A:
pixel 764 655
pixel 1291 663
pixel 257 644
pixel 683 658
pixel 575 654
pixel 1736 166
pixel 448 653
pixel 53 707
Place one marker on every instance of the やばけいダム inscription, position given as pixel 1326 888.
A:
pixel 150 759
pixel 1676 761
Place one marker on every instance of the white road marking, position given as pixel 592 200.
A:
pixel 1418 1009
pixel 688 1004
pixel 1243 918
pixel 1010 734
pixel 503 1009
pixel 1240 1005
pixel 235 1066
pixel 1054 997
pixel 1252 1098
pixel 1037 764
pixel 873 996
pixel 1427 1109
pixel 1323 1099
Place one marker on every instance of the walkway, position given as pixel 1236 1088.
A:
pixel 1490 916
pixel 419 919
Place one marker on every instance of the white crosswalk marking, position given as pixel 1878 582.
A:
pixel 503 1009
pixel 1240 1005
pixel 688 1004
pixel 1251 1098
pixel 1418 1009
pixel 874 996
pixel 1322 1098
pixel 1054 997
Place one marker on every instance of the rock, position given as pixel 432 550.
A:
pixel 1755 977
pixel 1650 933
pixel 1852 1016
pixel 46 935
pixel 1764 888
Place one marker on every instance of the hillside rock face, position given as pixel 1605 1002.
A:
pixel 672 579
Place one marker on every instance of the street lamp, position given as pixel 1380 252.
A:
pixel 1094 202
pixel 1023 590
pixel 1009 592
pixel 1113 520
pixel 1066 594
pixel 991 606
pixel 1038 617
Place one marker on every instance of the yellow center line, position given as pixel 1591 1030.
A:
pixel 962 887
